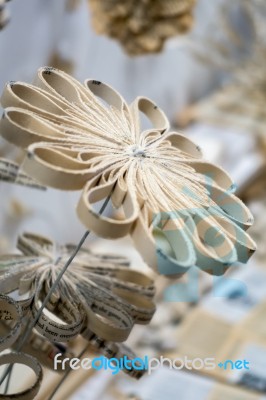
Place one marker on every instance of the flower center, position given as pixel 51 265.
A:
pixel 136 151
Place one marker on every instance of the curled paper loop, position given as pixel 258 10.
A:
pixel 29 361
pixel 107 227
pixel 98 292
pixel 37 346
pixel 10 310
pixel 180 210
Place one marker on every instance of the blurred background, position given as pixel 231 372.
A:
pixel 210 79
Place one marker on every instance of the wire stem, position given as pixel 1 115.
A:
pixel 53 287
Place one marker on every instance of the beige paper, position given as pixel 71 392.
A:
pixel 202 335
pixel 37 346
pixel 12 173
pixel 142 27
pixel 99 296
pixel 179 209
pixel 222 392
pixel 10 310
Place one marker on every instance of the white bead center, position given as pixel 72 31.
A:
pixel 136 151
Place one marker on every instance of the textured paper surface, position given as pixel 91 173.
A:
pixel 12 173
pixel 99 296
pixel 142 27
pixel 179 209
pixel 10 310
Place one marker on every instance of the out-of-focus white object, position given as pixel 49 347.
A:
pixel 4 14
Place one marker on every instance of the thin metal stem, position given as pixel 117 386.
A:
pixel 10 370
pixel 8 379
pixel 53 287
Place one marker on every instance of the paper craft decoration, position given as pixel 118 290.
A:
pixel 11 172
pixel 10 310
pixel 179 209
pixel 99 296
pixel 38 346
pixel 241 52
pixel 142 27
pixel 4 15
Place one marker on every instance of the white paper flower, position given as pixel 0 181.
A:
pixel 179 209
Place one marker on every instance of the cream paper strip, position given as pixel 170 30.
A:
pixel 22 358
pixel 180 209
pixel 11 172
pixel 11 311
pixel 38 347
pixel 98 297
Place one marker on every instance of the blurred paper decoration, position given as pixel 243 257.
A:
pixel 142 27
pixel 179 209
pixel 14 213
pixel 11 311
pixel 238 47
pixel 12 173
pixel 4 14
pixel 38 347
pixel 99 297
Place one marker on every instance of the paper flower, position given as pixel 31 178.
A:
pixel 11 312
pixel 99 296
pixel 179 209
pixel 142 27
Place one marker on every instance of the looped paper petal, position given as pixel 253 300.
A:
pixel 29 361
pixel 11 311
pixel 180 210
pixel 37 346
pixel 98 296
